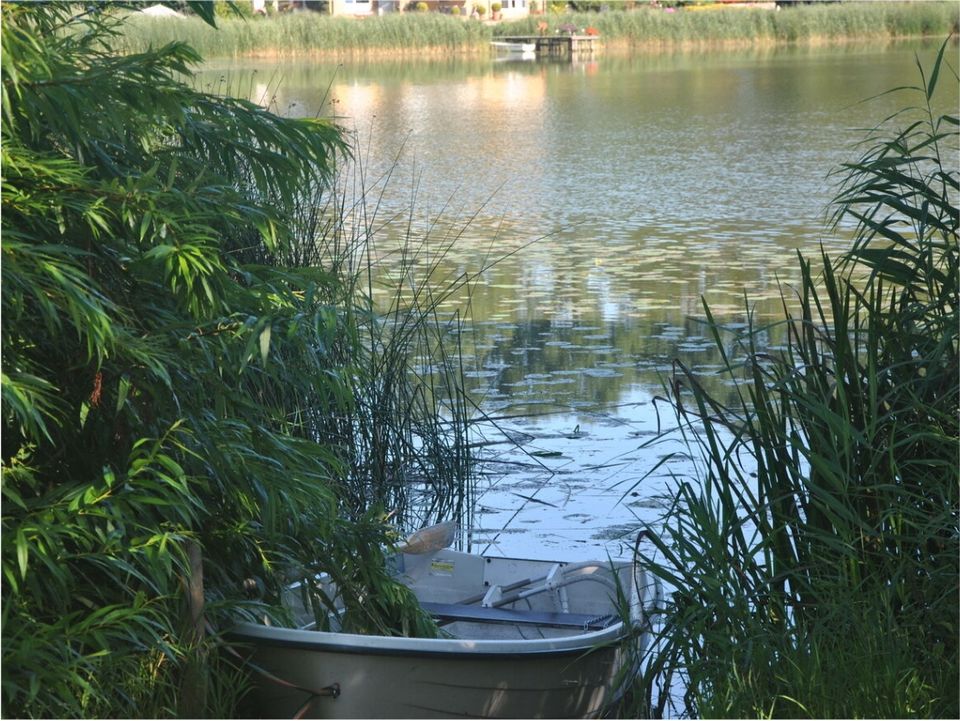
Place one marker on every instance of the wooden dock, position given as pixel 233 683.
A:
pixel 571 46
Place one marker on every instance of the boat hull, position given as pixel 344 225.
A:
pixel 575 683
pixel 549 645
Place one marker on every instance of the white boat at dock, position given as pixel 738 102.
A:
pixel 515 48
pixel 520 639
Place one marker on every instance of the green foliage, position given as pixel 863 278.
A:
pixel 290 34
pixel 178 368
pixel 817 22
pixel 816 565
pixel 231 8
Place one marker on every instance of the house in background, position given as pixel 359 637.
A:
pixel 509 9
pixel 512 9
pixel 364 7
pixel 358 8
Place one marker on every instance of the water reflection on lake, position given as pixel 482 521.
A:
pixel 617 193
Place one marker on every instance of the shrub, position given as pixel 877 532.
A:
pixel 194 387
pixel 225 9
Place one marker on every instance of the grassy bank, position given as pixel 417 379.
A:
pixel 296 34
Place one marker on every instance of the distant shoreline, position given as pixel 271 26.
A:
pixel 614 47
pixel 309 35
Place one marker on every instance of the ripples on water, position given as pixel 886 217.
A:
pixel 617 192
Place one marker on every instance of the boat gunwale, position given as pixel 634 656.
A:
pixel 333 642
pixel 353 643
pixel 338 642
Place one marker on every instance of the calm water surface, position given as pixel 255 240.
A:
pixel 615 194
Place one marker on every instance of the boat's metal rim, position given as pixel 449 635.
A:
pixel 397 645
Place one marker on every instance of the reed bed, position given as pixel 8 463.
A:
pixel 815 561
pixel 304 34
pixel 806 24
pixel 299 34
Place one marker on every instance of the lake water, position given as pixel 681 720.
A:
pixel 615 193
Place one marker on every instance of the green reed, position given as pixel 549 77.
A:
pixel 292 34
pixel 807 23
pixel 408 428
pixel 815 562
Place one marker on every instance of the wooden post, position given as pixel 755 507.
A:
pixel 193 686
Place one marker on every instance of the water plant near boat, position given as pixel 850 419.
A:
pixel 815 563
pixel 194 400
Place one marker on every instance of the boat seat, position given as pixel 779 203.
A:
pixel 449 612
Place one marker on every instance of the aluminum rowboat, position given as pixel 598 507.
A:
pixel 527 639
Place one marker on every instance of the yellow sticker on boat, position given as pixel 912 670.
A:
pixel 441 568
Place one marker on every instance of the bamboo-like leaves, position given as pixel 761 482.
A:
pixel 168 377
